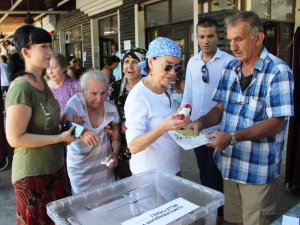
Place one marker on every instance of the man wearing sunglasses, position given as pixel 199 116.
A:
pixel 202 77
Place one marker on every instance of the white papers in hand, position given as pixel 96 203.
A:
pixel 188 142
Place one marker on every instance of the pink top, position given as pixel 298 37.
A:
pixel 63 93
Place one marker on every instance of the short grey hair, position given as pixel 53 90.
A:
pixel 255 23
pixel 95 75
pixel 60 58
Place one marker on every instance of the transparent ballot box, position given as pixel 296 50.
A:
pixel 132 201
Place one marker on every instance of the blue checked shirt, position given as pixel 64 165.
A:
pixel 270 94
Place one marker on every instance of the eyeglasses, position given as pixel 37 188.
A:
pixel 169 67
pixel 205 76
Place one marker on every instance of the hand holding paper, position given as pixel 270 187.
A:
pixel 187 139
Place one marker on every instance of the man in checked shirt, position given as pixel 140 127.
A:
pixel 254 102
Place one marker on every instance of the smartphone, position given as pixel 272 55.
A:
pixel 78 128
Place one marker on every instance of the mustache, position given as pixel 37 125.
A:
pixel 238 51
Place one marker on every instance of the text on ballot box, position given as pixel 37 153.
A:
pixel 164 214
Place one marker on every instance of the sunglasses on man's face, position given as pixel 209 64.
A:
pixel 169 67
pixel 205 76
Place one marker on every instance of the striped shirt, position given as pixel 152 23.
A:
pixel 270 94
pixel 83 161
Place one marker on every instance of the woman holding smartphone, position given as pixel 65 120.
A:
pixel 32 123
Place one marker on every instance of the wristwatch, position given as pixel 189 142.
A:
pixel 233 139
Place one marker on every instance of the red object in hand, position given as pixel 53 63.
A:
pixel 188 106
pixel 180 117
pixel 185 111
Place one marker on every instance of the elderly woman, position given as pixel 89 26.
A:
pixel 90 166
pixel 62 86
pixel 150 111
pixel 121 89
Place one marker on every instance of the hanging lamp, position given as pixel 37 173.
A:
pixel 51 4
pixel 28 19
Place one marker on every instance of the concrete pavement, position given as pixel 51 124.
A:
pixel 7 199
pixel 189 171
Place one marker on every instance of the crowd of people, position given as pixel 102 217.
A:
pixel 242 102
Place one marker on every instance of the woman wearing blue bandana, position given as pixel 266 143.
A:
pixel 151 112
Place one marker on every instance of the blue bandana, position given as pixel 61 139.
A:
pixel 160 46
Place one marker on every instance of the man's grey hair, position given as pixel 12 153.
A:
pixel 95 75
pixel 255 23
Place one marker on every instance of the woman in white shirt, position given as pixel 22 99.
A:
pixel 151 112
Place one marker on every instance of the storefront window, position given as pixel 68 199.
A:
pixel 179 37
pixel 172 19
pixel 108 35
pixel 262 8
pixel 73 42
pixel 166 12
pixel 191 39
pixel 109 26
pixel 157 14
pixel 74 49
pixel 282 10
pixel 217 5
pixel 55 42
pixel 182 10
pixel 75 34
pixel 285 37
pixel 273 9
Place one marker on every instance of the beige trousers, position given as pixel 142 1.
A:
pixel 250 204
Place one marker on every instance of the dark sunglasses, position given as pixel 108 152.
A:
pixel 205 76
pixel 169 67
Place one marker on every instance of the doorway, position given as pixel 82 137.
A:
pixel 74 49
pixel 108 34
pixel 105 50
pixel 182 33
pixel 278 39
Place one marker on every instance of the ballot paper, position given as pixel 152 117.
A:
pixel 289 220
pixel 187 139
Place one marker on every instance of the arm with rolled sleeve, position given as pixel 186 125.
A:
pixel 278 106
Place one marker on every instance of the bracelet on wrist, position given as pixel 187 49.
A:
pixel 233 138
